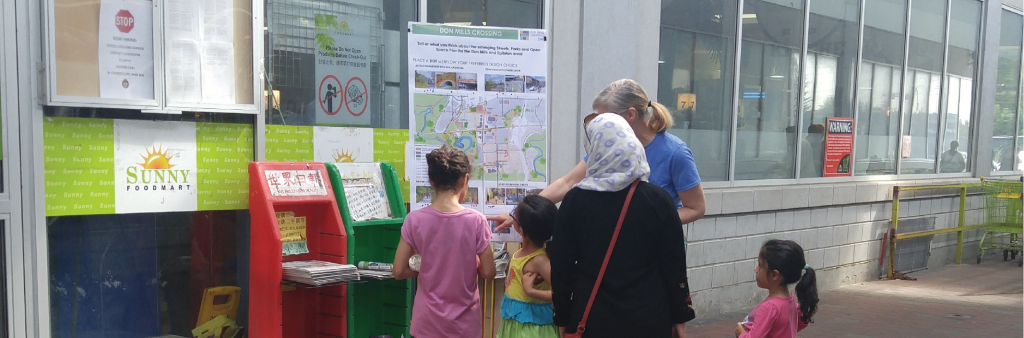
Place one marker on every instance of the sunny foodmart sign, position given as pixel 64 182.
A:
pixel 107 166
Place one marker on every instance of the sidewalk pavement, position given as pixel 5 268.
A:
pixel 968 300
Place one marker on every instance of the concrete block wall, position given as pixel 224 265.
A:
pixel 840 226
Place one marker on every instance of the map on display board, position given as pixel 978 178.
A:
pixel 483 91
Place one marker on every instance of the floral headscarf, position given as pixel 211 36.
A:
pixel 615 157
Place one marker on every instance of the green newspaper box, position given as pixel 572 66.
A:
pixel 373 211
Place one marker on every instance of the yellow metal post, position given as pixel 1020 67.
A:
pixel 892 229
pixel 960 225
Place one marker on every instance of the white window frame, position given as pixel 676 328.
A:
pixel 159 103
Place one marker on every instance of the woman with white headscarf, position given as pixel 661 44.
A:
pixel 644 291
pixel 671 161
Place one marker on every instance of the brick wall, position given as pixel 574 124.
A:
pixel 839 225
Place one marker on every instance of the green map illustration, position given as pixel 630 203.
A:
pixel 505 138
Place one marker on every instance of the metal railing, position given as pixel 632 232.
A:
pixel 960 228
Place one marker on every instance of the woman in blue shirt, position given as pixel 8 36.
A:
pixel 671 162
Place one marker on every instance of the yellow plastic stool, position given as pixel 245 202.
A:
pixel 219 301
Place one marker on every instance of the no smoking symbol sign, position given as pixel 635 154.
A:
pixel 330 95
pixel 355 98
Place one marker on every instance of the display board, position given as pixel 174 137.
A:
pixel 339 145
pixel 116 52
pixel 483 91
pixel 107 166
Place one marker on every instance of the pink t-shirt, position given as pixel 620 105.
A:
pixel 775 317
pixel 447 303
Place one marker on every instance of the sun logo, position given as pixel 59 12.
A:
pixel 156 159
pixel 343 157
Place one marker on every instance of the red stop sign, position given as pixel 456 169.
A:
pixel 124 21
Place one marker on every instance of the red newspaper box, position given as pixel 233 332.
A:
pixel 294 310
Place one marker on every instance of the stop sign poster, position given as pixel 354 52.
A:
pixel 125 40
pixel 838 146
pixel 343 53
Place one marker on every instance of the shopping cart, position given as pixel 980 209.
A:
pixel 1003 216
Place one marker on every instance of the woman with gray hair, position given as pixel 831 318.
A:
pixel 616 251
pixel 671 162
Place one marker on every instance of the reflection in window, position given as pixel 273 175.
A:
pixel 770 91
pixel 497 13
pixel 922 87
pixel 879 87
pixel 141 275
pixel 964 29
pixel 695 78
pixel 4 328
pixel 379 30
pixel 829 73
pixel 1007 92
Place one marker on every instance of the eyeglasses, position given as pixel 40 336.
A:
pixel 586 120
pixel 512 214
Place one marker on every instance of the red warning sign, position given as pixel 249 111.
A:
pixel 124 21
pixel 356 97
pixel 838 146
pixel 329 95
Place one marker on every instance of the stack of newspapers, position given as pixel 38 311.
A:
pixel 375 274
pixel 319 272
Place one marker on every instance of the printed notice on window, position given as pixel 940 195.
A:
pixel 125 48
pixel 838 146
pixel 295 183
pixel 200 49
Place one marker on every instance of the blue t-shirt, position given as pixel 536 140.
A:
pixel 672 165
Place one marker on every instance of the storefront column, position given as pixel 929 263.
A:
pixel 619 40
pixel 986 91
pixel 566 117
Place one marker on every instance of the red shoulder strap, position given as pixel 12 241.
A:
pixel 608 255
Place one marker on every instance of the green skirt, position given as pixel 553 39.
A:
pixel 514 329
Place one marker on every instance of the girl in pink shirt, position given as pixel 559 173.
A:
pixel 779 264
pixel 454 245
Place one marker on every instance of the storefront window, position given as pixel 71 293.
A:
pixel 125 274
pixel 695 78
pixel 370 70
pixel 922 87
pixel 879 87
pixel 829 73
pixel 4 329
pixel 964 29
pixel 770 90
pixel 1007 108
pixel 497 13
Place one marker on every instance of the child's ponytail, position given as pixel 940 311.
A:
pixel 807 295
pixel 787 257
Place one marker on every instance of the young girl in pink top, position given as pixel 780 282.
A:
pixel 781 315
pixel 454 245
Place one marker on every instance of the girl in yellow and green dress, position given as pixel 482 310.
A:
pixel 526 309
